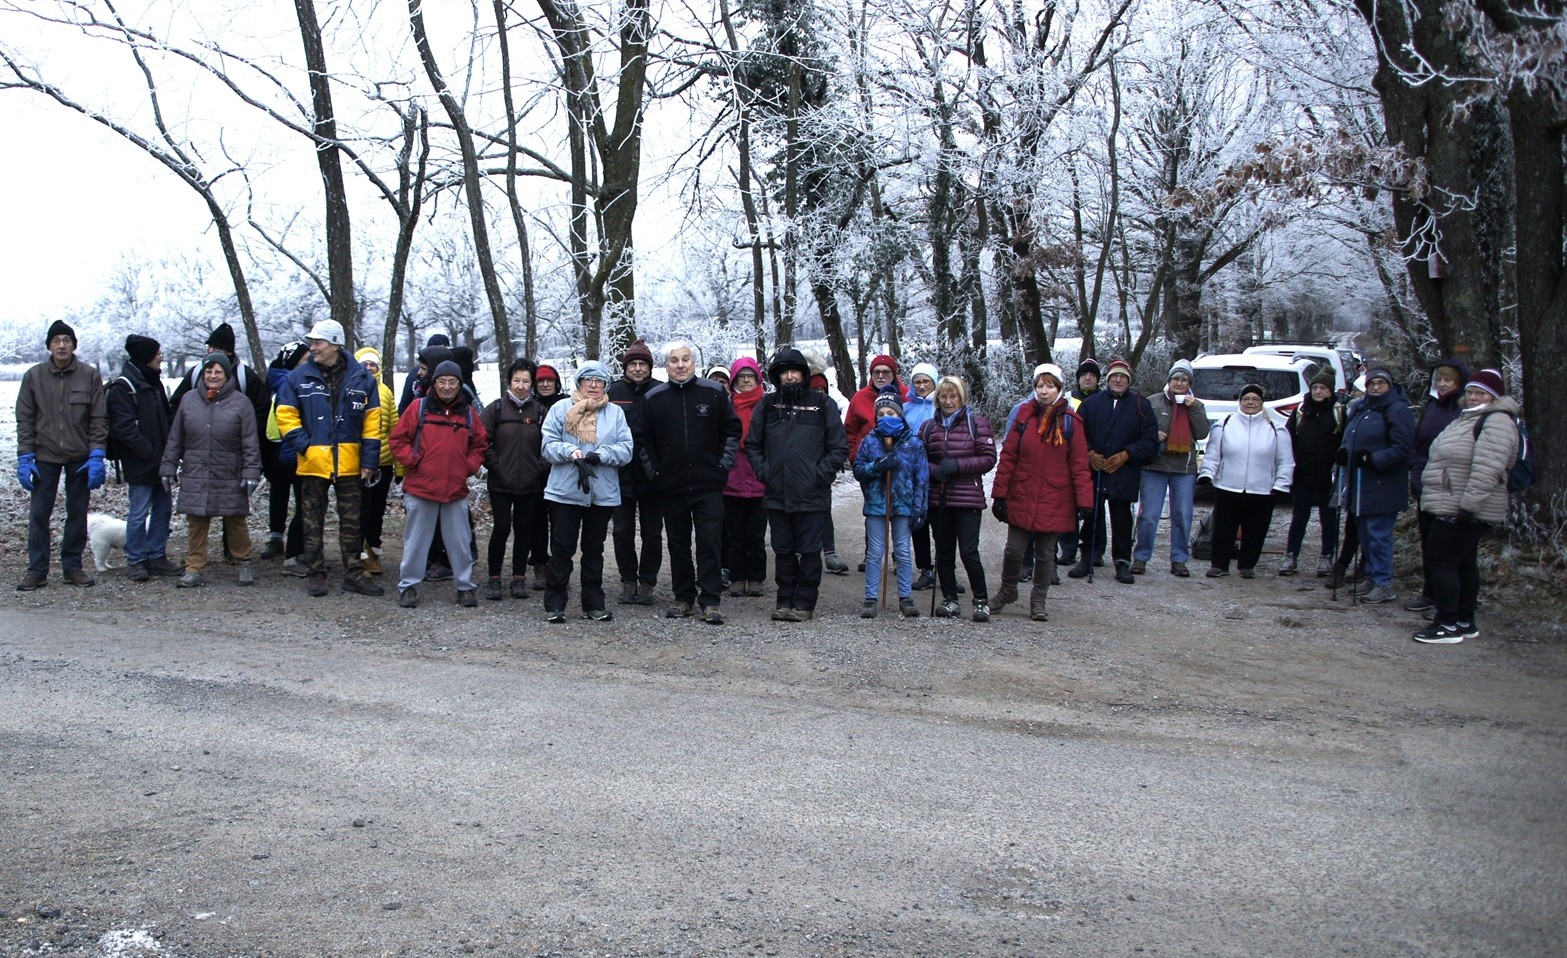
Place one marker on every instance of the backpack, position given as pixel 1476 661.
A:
pixel 1201 546
pixel 115 450
pixel 1521 475
pixel 424 405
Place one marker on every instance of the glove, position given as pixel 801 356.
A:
pixel 250 486
pixel 1084 513
pixel 1096 462
pixel 584 475
pixel 26 470
pixel 998 508
pixel 1363 459
pixel 168 484
pixel 1341 457
pixel 946 469
pixel 918 521
pixel 593 458
pixel 1117 461
pixel 95 469
pixel 883 463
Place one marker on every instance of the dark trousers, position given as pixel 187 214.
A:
pixel 372 507
pixel 1423 522
pixel 1120 531
pixel 745 539
pixel 571 526
pixel 280 486
pixel 1249 513
pixel 797 556
pixel 1452 574
pixel 314 491
pixel 921 538
pixel 1346 553
pixel 539 546
pixel 46 488
pixel 514 520
pixel 957 533
pixel 698 514
pixel 635 567
pixel 1303 499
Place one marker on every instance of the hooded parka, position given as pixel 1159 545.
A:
pixel 213 448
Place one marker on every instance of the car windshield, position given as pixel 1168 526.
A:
pixel 1225 383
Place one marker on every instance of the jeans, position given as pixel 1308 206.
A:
pixel 1150 502
pixel 41 507
pixel 424 515
pixel 1302 500
pixel 1376 537
pixel 567 524
pixel 797 556
pixel 635 567
pixel 700 514
pixel 876 548
pixel 147 524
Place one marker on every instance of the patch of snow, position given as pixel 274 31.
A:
pixel 129 943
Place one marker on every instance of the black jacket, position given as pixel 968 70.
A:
pixel 797 445
pixel 628 396
pixel 515 457
pixel 138 422
pixel 1316 430
pixel 687 437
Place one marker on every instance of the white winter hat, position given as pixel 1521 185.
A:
pixel 330 330
pixel 1051 370
pixel 925 369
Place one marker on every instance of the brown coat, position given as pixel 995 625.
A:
pixel 213 448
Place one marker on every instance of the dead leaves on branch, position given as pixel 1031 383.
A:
pixel 1307 170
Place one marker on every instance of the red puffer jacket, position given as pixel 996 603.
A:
pixel 971 443
pixel 1044 483
pixel 450 447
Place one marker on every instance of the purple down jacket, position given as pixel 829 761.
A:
pixel 969 442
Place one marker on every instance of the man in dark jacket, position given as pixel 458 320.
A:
pixel 687 437
pixel 1123 434
pixel 638 573
pixel 138 410
pixel 796 445
pixel 1316 428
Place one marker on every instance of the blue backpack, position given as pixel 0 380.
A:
pixel 1521 475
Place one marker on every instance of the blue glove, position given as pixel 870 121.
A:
pixel 26 470
pixel 94 468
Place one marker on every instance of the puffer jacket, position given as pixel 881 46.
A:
pixel 1468 475
pixel 1383 426
pixel 910 476
pixel 614 449
pixel 1250 454
pixel 255 387
pixel 1316 429
pixel 387 421
pixel 796 442
pixel 1180 463
pixel 439 454
pixel 687 437
pixel 1436 415
pixel 213 448
pixel 515 459
pixel 331 428
pixel 1043 483
pixel 60 413
pixel 1118 424
pixel 138 422
pixel 968 440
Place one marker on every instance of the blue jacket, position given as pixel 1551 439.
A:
pixel 613 447
pixel 1383 426
pixel 332 431
pixel 1128 425
pixel 910 475
pixel 917 412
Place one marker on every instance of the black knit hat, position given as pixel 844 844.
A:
pixel 60 328
pixel 141 349
pixel 1325 377
pixel 222 338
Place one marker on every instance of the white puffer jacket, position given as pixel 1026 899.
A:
pixel 1250 454
pixel 1465 475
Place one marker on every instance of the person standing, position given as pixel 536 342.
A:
pixel 329 414
pixel 372 502
pixel 62 430
pixel 1087 380
pixel 285 535
pixel 917 411
pixel 796 445
pixel 894 475
pixel 138 408
pixel 1316 428
pixel 1182 423
pixel 817 380
pixel 961 448
pixel 1378 441
pixel 638 571
pixel 687 437
pixel 857 422
pixel 546 389
pixel 1445 402
pixel 1248 458
pixel 441 442
pixel 745 515
pixel 1123 435
pixel 516 471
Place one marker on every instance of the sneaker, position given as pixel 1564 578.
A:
pixel 161 566
pixel 1139 567
pixel 924 580
pixel 1179 569
pixel 190 580
pixel 79 577
pixel 1324 567
pixel 645 593
pixel 31 581
pixel 833 564
pixel 294 567
pixel 1440 634
pixel 246 575
pixel 724 581
pixel 1288 566
pixel 1336 578
pixel 948 609
pixel 598 615
pixel 316 584
pixel 908 609
pixel 1380 593
pixel 753 589
pixel 1362 586
pixel 437 573
pixel 364 585
pixel 273 549
pixel 468 598
pixel 1248 573
pixel 555 616
pixel 680 610
pixel 711 616
pixel 494 591
pixel 981 612
pixel 801 615
pixel 1026 574
pixel 1123 573
pixel 1419 605
pixel 137 572
pixel 1037 613
pixel 736 589
pixel 1078 571
pixel 1467 629
pixel 868 611
pixel 519 587
pixel 783 614
pixel 408 598
pixel 1214 572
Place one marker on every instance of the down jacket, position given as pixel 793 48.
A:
pixel 1250 454
pixel 213 448
pixel 910 470
pixel 515 458
pixel 439 456
pixel 968 440
pixel 1436 415
pixel 1044 484
pixel 333 426
pixel 1469 475
pixel 138 421
pixel 1116 424
pixel 1384 427
pixel 796 443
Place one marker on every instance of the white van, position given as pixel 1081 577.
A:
pixel 1218 380
pixel 1318 353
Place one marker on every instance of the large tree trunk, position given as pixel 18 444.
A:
pixel 339 231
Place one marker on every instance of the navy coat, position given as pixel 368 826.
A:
pixel 1383 426
pixel 1128 425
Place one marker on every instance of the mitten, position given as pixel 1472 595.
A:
pixel 27 470
pixel 94 467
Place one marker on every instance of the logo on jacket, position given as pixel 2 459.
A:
pixel 703 409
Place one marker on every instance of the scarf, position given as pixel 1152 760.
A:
pixel 745 404
pixel 582 419
pixel 1179 440
pixel 1050 422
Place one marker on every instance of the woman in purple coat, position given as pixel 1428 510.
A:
pixel 961 449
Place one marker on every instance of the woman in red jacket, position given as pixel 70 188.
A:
pixel 961 448
pixel 1042 486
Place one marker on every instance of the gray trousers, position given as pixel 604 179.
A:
pixel 423 515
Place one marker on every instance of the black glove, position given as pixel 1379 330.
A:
pixel 584 475
pixel 918 521
pixel 946 469
pixel 883 463
pixel 593 458
pixel 1341 457
pixel 1362 459
pixel 1084 513
pixel 998 508
pixel 1205 480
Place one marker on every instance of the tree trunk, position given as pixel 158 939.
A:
pixel 339 231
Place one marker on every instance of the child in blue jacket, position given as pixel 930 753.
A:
pixel 894 475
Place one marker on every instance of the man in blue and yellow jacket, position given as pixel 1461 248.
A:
pixel 329 414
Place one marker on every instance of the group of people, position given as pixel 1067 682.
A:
pixel 719 467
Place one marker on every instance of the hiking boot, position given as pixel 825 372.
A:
pixel 1123 573
pixel 555 616
pixel 468 598
pixel 645 593
pixel 801 615
pixel 711 616
pixel 1440 634
pixel 161 566
pixel 784 614
pixel 273 549
pixel 1005 596
pixel 1025 574
pixel 364 585
pixel 1420 604
pixel 598 615
pixel 737 589
pixel 1055 575
pixel 1288 566
pixel 1139 566
pixel 190 580
pixel 680 610
pixel 833 564
pixel 373 562
pixel 1036 610
pixel 137 572
pixel 1080 570
pixel 924 580
pixel 519 587
pixel 79 577
pixel 316 584
pixel 408 598
pixel 868 611
pixel 494 591
pixel 948 609
pixel 539 572
pixel 1179 569
pixel 1248 573
pixel 245 574
pixel 1324 567
pixel 1214 572
pixel 981 612
pixel 908 609
pixel 437 573
pixel 753 589
pixel 294 567
pixel 1378 594
pixel 1362 586
pixel 1336 580
pixel 31 581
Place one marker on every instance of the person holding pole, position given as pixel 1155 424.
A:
pixel 894 475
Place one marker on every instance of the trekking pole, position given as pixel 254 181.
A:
pixel 1093 523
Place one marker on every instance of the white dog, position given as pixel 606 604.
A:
pixel 104 532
